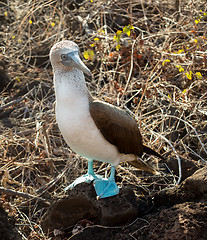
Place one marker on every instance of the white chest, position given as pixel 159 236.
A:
pixel 83 137
pixel 77 126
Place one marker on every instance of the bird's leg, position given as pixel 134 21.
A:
pixel 106 187
pixel 90 168
pixel 87 178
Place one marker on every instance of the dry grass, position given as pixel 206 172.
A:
pixel 168 98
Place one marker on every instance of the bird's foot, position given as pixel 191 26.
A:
pixel 105 188
pixel 87 178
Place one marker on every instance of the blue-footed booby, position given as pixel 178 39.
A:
pixel 93 129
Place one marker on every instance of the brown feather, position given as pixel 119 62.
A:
pixel 149 150
pixel 120 129
pixel 139 164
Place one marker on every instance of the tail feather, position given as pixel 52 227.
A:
pixel 144 166
pixel 149 150
pixel 139 164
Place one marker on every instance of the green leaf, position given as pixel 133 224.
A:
pixel 127 29
pixel 118 47
pixel 117 36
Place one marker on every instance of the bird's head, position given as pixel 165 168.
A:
pixel 66 54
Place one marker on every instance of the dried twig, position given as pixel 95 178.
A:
pixel 17 100
pixel 21 194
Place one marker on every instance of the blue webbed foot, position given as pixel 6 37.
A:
pixel 105 188
pixel 87 178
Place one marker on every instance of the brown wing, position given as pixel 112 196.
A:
pixel 118 127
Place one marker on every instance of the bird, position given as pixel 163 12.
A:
pixel 94 129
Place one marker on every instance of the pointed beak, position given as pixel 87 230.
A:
pixel 73 60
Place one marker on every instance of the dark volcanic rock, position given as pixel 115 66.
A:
pixel 5 81
pixel 179 213
pixel 7 231
pixel 194 188
pixel 188 167
pixel 185 221
pixel 81 203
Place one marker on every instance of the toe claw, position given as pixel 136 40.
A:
pixel 105 188
pixel 85 178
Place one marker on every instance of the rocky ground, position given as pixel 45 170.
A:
pixel 146 57
pixel 177 213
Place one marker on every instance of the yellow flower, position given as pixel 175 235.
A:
pixel 5 13
pixel 30 21
pixel 180 68
pixel 52 24
pixel 189 75
pixel 180 51
pixel 199 75
pixel 89 54
pixel 165 61
pixel 184 91
pixel 18 79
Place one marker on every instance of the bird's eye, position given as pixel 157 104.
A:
pixel 63 57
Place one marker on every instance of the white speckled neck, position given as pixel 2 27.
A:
pixel 70 87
